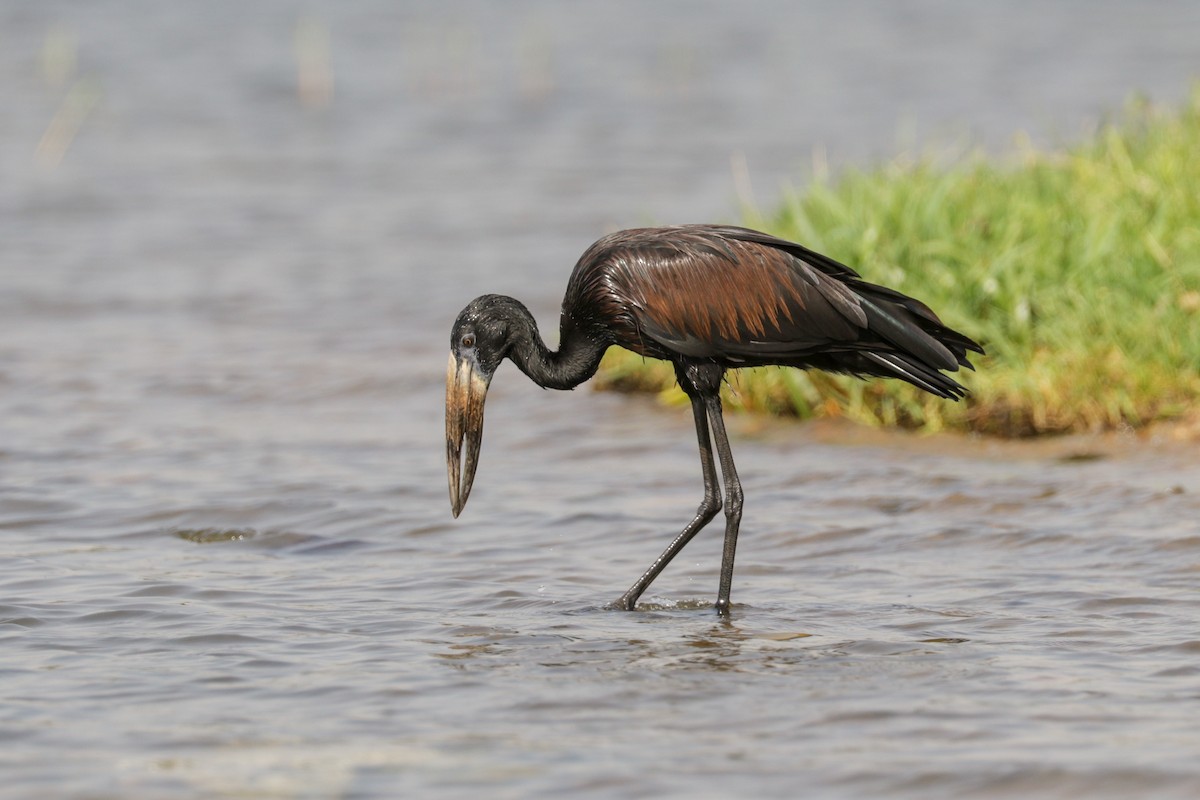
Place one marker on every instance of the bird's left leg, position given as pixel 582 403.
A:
pixel 733 498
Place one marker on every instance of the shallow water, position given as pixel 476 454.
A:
pixel 227 563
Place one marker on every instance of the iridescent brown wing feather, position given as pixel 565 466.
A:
pixel 741 298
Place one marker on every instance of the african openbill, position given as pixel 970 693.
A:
pixel 707 298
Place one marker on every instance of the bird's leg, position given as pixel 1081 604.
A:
pixel 709 507
pixel 733 500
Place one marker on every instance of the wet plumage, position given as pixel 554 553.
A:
pixel 707 298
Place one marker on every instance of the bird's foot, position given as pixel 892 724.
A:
pixel 625 603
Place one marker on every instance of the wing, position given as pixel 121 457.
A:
pixel 745 298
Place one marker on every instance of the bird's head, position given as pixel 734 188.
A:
pixel 478 343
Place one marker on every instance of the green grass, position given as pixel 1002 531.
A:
pixel 1078 270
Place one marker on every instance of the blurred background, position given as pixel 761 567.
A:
pixel 448 146
pixel 187 186
pixel 232 197
pixel 233 237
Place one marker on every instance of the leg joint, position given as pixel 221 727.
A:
pixel 733 502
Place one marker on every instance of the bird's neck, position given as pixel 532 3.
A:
pixel 577 358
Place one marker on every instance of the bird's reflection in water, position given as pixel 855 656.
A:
pixel 662 637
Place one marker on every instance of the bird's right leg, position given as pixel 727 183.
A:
pixel 709 507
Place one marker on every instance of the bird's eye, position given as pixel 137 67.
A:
pixel 468 340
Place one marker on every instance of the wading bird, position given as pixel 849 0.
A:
pixel 707 298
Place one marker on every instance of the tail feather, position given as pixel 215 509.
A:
pixel 923 344
pixel 907 335
pixel 910 369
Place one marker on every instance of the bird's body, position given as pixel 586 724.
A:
pixel 706 298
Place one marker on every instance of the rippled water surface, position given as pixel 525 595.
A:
pixel 234 238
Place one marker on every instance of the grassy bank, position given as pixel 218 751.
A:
pixel 1079 271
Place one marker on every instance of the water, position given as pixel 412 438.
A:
pixel 227 564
